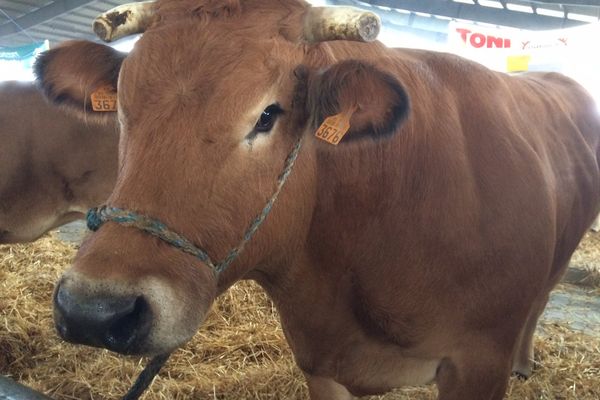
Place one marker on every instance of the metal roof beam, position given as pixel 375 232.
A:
pixel 61 37
pixel 75 29
pixel 589 3
pixel 15 8
pixel 479 13
pixel 41 15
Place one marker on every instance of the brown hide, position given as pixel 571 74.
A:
pixel 53 165
pixel 422 247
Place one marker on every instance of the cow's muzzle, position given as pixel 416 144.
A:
pixel 120 324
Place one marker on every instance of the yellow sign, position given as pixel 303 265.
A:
pixel 104 99
pixel 517 63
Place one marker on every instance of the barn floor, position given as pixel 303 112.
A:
pixel 240 353
pixel 576 302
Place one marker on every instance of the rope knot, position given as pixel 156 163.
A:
pixel 94 219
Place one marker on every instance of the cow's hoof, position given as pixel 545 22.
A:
pixel 521 376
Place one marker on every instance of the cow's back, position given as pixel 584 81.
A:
pixel 568 123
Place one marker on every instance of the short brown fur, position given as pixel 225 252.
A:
pixel 423 253
pixel 54 166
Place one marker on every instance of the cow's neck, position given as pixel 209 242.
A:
pixel 307 296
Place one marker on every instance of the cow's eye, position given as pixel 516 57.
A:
pixel 267 119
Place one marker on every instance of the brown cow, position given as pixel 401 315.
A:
pixel 421 248
pixel 53 165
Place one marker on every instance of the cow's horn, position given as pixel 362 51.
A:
pixel 124 20
pixel 340 23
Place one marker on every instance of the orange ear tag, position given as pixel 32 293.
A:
pixel 104 99
pixel 333 129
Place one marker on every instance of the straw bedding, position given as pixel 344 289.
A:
pixel 587 259
pixel 240 352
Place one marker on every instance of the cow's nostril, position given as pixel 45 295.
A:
pixel 127 328
pixel 118 323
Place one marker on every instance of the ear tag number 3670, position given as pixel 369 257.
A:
pixel 333 129
pixel 104 99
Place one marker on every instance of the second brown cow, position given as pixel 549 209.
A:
pixel 54 165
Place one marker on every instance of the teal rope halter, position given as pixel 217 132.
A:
pixel 97 216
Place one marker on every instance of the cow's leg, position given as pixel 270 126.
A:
pixel 320 388
pixel 523 359
pixel 478 373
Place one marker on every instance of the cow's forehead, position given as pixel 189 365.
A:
pixel 266 11
pixel 253 18
pixel 213 71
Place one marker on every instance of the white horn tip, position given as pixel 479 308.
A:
pixel 124 20
pixel 102 29
pixel 369 25
pixel 113 25
pixel 340 23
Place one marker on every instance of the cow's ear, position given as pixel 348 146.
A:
pixel 70 73
pixel 375 102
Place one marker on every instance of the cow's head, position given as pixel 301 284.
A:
pixel 212 100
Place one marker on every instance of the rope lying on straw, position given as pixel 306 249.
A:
pixel 146 376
